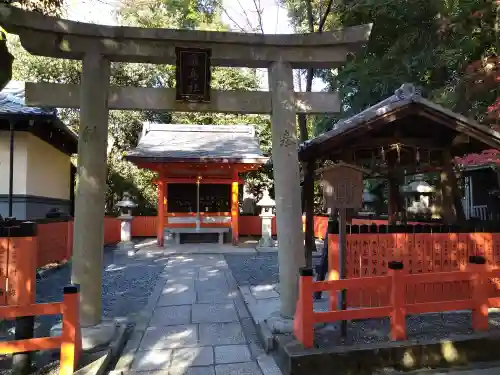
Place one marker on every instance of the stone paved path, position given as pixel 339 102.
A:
pixel 196 323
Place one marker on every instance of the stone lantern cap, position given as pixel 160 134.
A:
pixel 126 202
pixel 368 197
pixel 266 200
pixel 418 187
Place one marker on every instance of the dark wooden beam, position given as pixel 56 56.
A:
pixel 474 133
pixel 378 142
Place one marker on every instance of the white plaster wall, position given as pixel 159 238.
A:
pixel 20 162
pixel 48 170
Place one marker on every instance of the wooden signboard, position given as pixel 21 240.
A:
pixel 193 74
pixel 343 187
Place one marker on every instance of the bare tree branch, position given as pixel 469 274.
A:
pixel 221 6
pixel 259 11
pixel 249 22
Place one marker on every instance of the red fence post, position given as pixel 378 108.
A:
pixel 71 337
pixel 477 266
pixel 398 288
pixel 304 313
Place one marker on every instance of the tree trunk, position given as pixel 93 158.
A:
pixel 302 120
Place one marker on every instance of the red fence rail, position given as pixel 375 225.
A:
pixel 112 230
pixel 396 284
pixel 145 226
pixel 70 339
pixel 421 253
pixel 55 239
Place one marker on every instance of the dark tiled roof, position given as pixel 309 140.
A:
pixel 169 142
pixel 13 107
pixel 407 94
pixel 12 102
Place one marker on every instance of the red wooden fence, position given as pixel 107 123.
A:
pixel 400 302
pixel 145 226
pixel 70 342
pixel 55 239
pixel 421 253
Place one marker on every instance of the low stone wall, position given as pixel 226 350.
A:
pixel 366 359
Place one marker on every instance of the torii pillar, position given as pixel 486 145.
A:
pixel 286 184
pixel 88 239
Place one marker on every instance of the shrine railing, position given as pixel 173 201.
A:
pixel 422 250
pixel 397 284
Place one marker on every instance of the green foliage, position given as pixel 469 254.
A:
pixel 125 126
pixel 428 43
pixel 49 7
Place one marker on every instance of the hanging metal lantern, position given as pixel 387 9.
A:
pixel 6 60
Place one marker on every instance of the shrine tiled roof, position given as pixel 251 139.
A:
pixel 12 102
pixel 13 106
pixel 178 142
pixel 403 97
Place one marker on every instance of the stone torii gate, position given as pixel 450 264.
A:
pixel 98 45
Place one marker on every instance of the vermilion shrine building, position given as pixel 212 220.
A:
pixel 200 171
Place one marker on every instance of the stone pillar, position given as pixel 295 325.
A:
pixel 235 212
pixel 160 229
pixel 125 229
pixel 88 239
pixel 267 205
pixel 287 184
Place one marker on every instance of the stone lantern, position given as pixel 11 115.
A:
pixel 126 205
pixel 267 205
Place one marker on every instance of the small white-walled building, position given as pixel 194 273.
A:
pixel 43 176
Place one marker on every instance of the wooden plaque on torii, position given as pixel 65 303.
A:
pixel 192 74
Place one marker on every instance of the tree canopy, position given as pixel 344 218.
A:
pixel 429 43
pixel 50 7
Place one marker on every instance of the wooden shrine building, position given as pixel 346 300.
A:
pixel 200 171
pixel 402 135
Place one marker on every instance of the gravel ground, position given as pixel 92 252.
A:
pixel 126 286
pixel 418 327
pixel 256 269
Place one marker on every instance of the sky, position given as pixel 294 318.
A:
pixel 238 14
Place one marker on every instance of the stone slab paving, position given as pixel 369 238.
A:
pixel 196 322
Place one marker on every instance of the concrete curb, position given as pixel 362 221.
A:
pixel 265 336
pixel 107 356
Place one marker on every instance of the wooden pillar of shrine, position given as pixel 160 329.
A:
pixel 160 229
pixel 235 212
pixel 393 199
pixel 451 200
pixel 308 191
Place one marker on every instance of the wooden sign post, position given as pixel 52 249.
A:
pixel 342 189
pixel 193 74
